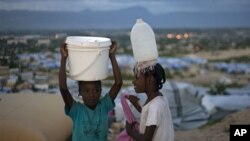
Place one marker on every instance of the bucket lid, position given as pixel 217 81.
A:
pixel 88 42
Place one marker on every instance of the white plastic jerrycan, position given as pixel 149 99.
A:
pixel 88 57
pixel 143 42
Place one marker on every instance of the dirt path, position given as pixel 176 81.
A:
pixel 216 132
pixel 224 54
pixel 211 77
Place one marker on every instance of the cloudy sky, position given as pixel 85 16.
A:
pixel 154 6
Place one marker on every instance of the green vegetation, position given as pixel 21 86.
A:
pixel 210 123
pixel 220 89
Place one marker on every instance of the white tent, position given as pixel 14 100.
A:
pixel 185 105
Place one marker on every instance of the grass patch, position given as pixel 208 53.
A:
pixel 210 123
pixel 234 85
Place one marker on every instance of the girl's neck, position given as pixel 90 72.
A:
pixel 91 107
pixel 152 95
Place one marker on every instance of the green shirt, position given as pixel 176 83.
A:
pixel 88 124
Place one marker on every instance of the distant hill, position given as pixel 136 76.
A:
pixel 125 18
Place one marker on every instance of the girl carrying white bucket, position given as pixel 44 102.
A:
pixel 90 118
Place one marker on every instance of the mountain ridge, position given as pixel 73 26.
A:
pixel 124 18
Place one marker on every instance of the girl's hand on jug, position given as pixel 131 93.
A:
pixel 64 51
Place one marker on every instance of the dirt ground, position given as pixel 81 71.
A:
pixel 215 132
pixel 218 131
pixel 224 54
pixel 210 77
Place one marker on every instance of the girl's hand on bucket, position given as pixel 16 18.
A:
pixel 64 51
pixel 112 48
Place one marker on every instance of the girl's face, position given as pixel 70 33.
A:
pixel 90 92
pixel 139 83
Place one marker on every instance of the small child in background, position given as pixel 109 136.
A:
pixel 90 119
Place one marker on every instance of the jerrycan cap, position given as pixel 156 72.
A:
pixel 140 20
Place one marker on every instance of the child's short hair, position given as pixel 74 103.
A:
pixel 98 83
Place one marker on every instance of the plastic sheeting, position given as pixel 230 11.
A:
pixel 185 106
pixel 218 104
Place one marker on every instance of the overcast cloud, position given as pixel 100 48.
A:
pixel 154 6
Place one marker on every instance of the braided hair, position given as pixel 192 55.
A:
pixel 159 75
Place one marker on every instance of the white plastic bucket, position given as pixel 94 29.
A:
pixel 143 42
pixel 88 57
